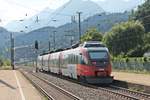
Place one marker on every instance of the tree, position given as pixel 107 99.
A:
pixel 147 42
pixel 124 37
pixel 147 38
pixel 142 14
pixel 92 34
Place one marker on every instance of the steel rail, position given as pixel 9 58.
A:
pixel 112 92
pixel 46 94
pixel 121 95
pixel 74 97
pixel 124 94
pixel 109 91
pixel 141 95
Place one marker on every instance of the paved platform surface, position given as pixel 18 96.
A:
pixel 143 79
pixel 14 86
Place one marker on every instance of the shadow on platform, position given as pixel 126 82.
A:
pixel 6 84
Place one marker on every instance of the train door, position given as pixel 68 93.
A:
pixel 49 63
pixel 72 66
pixel 60 63
pixel 42 64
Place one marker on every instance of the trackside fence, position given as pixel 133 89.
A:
pixel 136 64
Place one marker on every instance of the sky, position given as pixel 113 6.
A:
pixel 21 9
pixel 18 9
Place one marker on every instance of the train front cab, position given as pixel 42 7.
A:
pixel 95 67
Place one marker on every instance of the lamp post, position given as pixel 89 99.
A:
pixel 36 51
pixel 54 34
pixel 79 21
pixel 12 50
pixel 49 45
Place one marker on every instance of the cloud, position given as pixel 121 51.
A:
pixel 53 4
pixel 99 0
pixel 16 9
pixel 126 0
pixel 10 11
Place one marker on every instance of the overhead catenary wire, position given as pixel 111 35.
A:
pixel 53 17
pixel 20 5
pixel 58 13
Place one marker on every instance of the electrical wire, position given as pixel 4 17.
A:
pixel 20 5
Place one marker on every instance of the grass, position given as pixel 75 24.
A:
pixel 5 68
pixel 45 98
pixel 136 89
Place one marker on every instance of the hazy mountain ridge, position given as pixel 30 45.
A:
pixel 103 23
pixel 26 24
pixel 5 40
pixel 41 26
pixel 62 16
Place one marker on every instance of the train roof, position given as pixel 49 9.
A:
pixel 87 44
pixel 91 44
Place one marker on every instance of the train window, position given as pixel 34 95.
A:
pixel 94 45
pixel 79 59
pixel 42 61
pixel 73 59
pixel 82 60
pixel 98 55
pixel 69 59
pixel 76 59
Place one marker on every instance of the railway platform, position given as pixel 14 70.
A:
pixel 142 79
pixel 14 86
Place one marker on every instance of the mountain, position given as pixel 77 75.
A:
pixel 4 36
pixel 58 17
pixel 103 23
pixel 26 24
pixel 5 39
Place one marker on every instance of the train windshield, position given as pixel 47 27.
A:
pixel 98 55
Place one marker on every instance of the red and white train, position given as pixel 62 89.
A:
pixel 89 62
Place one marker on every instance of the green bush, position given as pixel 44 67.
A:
pixel 125 37
pixel 145 59
pixel 7 63
pixel 127 59
pixel 92 34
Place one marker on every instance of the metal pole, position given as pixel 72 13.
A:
pixel 71 41
pixel 79 16
pixel 36 60
pixel 49 45
pixel 36 52
pixel 54 38
pixel 12 51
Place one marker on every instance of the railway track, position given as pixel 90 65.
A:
pixel 114 91
pixel 138 95
pixel 119 92
pixel 45 93
pixel 48 89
